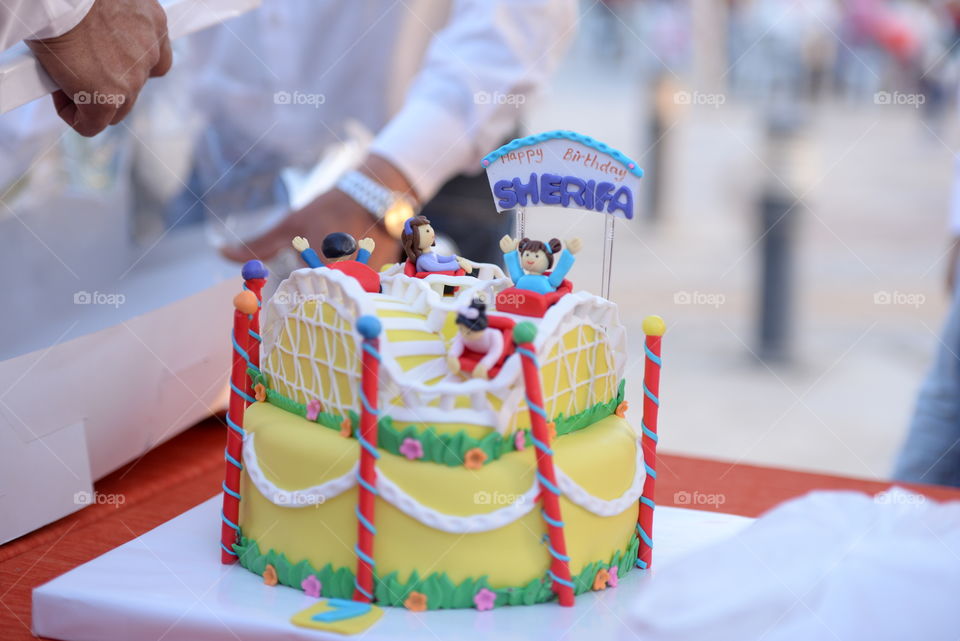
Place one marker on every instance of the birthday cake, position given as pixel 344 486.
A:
pixel 452 436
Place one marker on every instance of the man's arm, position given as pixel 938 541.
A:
pixel 478 73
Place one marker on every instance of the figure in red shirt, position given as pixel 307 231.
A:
pixel 338 248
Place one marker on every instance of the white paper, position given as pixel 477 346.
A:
pixel 831 565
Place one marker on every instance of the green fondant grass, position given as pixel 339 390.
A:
pixel 441 592
pixel 438 447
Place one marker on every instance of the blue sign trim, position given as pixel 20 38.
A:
pixel 568 135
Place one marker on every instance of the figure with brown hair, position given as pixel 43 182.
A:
pixel 419 239
pixel 529 261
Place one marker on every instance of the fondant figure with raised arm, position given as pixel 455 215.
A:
pixel 419 240
pixel 338 248
pixel 477 336
pixel 529 262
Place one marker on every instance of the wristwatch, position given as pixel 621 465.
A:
pixel 392 207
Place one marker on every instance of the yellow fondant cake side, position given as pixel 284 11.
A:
pixel 293 453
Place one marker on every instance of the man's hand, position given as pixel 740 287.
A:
pixel 334 211
pixel 480 371
pixel 329 212
pixel 574 245
pixel 508 244
pixel 367 243
pixel 101 64
pixel 300 244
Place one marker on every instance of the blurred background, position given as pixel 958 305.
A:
pixel 799 159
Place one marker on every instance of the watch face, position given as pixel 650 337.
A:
pixel 396 215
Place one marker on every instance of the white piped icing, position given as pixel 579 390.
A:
pixel 396 496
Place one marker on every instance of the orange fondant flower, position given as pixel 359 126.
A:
pixel 270 575
pixel 346 428
pixel 474 458
pixel 600 580
pixel 622 408
pixel 260 392
pixel 551 432
pixel 416 601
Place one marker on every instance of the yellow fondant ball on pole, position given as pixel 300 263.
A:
pixel 654 326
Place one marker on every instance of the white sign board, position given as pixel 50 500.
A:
pixel 563 169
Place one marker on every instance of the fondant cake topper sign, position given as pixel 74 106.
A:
pixel 563 169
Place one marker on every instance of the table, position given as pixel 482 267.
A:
pixel 188 469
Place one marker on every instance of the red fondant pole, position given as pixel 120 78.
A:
pixel 369 328
pixel 255 277
pixel 245 304
pixel 559 572
pixel 654 328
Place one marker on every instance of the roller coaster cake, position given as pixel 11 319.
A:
pixel 376 456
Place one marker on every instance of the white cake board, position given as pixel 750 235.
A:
pixel 169 584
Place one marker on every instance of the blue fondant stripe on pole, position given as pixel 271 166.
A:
pixel 236 428
pixel 240 350
pixel 526 352
pixel 226 489
pixel 242 394
pixel 557 579
pixel 363 520
pixel 366 485
pixel 553 522
pixel 233 461
pixel 233 526
pixel 547 484
pixel 653 357
pixel 649 394
pixel 650 434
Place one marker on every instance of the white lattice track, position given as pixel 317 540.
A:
pixel 311 349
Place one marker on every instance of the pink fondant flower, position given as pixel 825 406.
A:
pixel 520 440
pixel 613 577
pixel 411 448
pixel 311 586
pixel 314 407
pixel 485 599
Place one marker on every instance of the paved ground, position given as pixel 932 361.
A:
pixel 875 183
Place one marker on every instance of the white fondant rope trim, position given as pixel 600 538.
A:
pixel 314 495
pixel 520 506
pixel 600 507
pixel 393 494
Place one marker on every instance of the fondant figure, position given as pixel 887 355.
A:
pixel 475 335
pixel 338 248
pixel 419 239
pixel 529 262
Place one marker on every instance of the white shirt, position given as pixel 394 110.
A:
pixel 437 81
pixel 38 19
pixel 440 83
